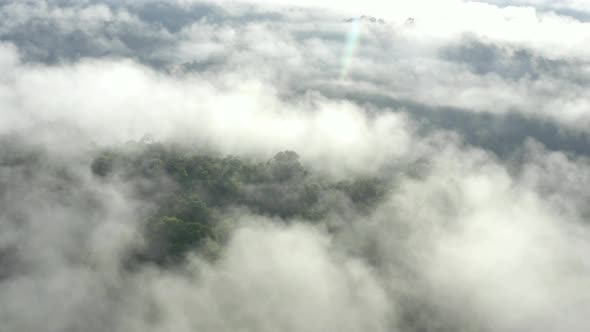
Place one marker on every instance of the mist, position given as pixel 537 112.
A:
pixel 294 166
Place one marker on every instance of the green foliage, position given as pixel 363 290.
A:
pixel 171 237
pixel 191 190
pixel 363 192
pixel 191 208
pixel 102 165
pixel 285 166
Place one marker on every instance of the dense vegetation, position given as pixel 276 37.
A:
pixel 191 192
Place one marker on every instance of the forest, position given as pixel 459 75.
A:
pixel 188 194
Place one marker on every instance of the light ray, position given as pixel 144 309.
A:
pixel 352 41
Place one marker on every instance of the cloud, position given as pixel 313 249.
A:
pixel 437 63
pixel 462 113
pixel 120 101
pixel 577 9
pixel 468 245
pixel 255 289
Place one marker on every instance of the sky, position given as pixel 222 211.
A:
pixel 475 114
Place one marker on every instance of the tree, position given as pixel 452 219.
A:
pixel 285 165
pixel 191 208
pixel 102 165
pixel 171 237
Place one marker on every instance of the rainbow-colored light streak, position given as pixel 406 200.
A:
pixel 352 41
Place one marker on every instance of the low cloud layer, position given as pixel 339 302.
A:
pixel 472 117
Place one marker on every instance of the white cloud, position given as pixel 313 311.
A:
pixel 119 101
pixel 254 288
pixel 475 241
